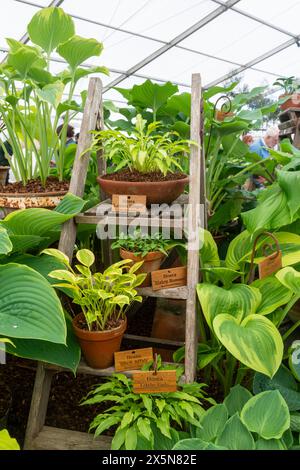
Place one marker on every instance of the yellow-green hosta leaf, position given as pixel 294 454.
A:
pixel 63 275
pixel 78 49
pixel 290 278
pixel 59 255
pixel 7 442
pixel 266 414
pixel 274 294
pixel 255 341
pixel 235 435
pixel 5 242
pixel 51 93
pixel 50 27
pixel 239 300
pixel 85 257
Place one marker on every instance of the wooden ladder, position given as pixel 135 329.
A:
pixel 39 436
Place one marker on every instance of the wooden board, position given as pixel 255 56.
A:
pixel 169 278
pixel 51 438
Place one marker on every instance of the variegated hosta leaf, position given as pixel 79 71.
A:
pixel 290 278
pixel 239 301
pixel 274 294
pixel 266 414
pixel 255 341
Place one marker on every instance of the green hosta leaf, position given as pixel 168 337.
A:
pixel 85 257
pixel 29 307
pixel 271 213
pixel 212 422
pixel 236 399
pixel 60 355
pixel 238 249
pixel 179 104
pixel 294 359
pixel 235 435
pixel 63 275
pixel 234 127
pixel 287 439
pixel 149 95
pixel 7 442
pixel 118 439
pixel 50 27
pixel 58 255
pixel 270 444
pixel 5 243
pixel 267 414
pixel 224 275
pixel 106 423
pixel 284 382
pixel 290 278
pixel 196 444
pixel 52 93
pixel 295 422
pixel 274 294
pixel 255 342
pixel 240 300
pixel 78 49
pixel 144 427
pixel 131 439
pixel 289 182
pixel 23 57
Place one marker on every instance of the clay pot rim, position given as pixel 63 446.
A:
pixel 98 335
pixel 36 195
pixel 150 256
pixel 100 179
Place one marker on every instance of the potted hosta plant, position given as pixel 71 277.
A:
pixel 144 163
pixel 32 103
pixel 151 250
pixel 291 96
pixel 104 299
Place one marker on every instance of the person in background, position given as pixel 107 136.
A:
pixel 268 141
pixel 261 147
pixel 248 139
pixel 70 134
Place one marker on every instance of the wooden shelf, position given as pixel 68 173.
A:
pixel 180 293
pixel 51 438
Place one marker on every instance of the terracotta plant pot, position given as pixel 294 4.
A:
pixel 16 201
pixel 152 262
pixel 157 192
pixel 3 174
pixel 292 102
pixel 98 347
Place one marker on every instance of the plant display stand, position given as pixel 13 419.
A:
pixel 39 436
pixel 289 126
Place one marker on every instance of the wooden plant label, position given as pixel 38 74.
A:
pixel 133 359
pixel 270 265
pixel 154 382
pixel 167 278
pixel 125 203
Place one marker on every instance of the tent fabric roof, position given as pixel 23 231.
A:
pixel 167 40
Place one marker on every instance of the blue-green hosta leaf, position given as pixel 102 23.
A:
pixel 236 399
pixel 235 435
pixel 66 356
pixel 290 278
pixel 51 93
pixel 50 27
pixel 294 358
pixel 239 301
pixel 196 444
pixel 255 342
pixel 78 49
pixel 273 294
pixel 212 423
pixel 267 414
pixel 29 306
pixel 284 382
pixel 5 242
pixel 271 213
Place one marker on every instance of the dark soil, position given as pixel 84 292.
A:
pixel 135 176
pixel 5 399
pixel 35 186
pixel 110 325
